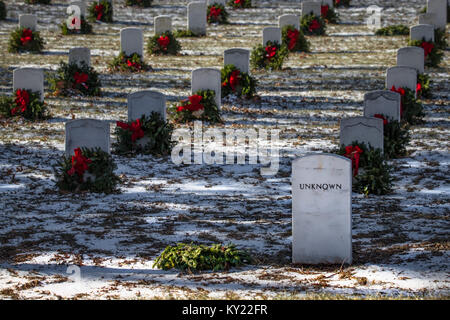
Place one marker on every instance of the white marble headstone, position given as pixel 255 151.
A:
pixel 207 79
pixel 163 24
pixel 81 5
pixel 383 102
pixel 271 34
pixel 29 79
pixel 238 57
pixel 222 2
pixel 365 130
pixel 197 17
pixel 144 103
pixel 322 209
pixel 401 77
pixel 28 21
pixel 439 8
pixel 427 18
pixel 80 55
pixel 311 6
pixel 289 20
pixel 132 41
pixel 422 31
pixel 412 57
pixel 87 133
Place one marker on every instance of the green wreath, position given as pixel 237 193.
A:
pixel 200 106
pixel 25 103
pixel 294 39
pixel 217 14
pixel 269 57
pixel 101 11
pixel 164 44
pixel 25 40
pixel 128 63
pixel 236 82
pixel 433 55
pixel 240 4
pixel 313 25
pixel 139 3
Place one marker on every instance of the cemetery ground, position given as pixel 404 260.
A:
pixel 400 241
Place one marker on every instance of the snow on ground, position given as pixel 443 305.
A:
pixel 400 241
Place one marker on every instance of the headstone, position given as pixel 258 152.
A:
pixel 29 79
pixel 81 5
pixel 271 34
pixel 401 77
pixel 163 24
pixel 322 209
pixel 365 130
pixel 88 133
pixel 222 2
pixel 132 41
pixel 309 7
pixel 439 8
pixel 412 57
pixel 197 17
pixel 238 57
pixel 385 102
pixel 330 3
pixel 427 18
pixel 80 55
pixel 207 79
pixel 28 21
pixel 422 31
pixel 289 20
pixel 144 103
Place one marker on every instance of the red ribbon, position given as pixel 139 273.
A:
pixel 314 25
pixel 427 47
pixel 22 101
pixel 80 163
pixel 402 93
pixel 215 12
pixel 238 2
pixel 293 38
pixel 234 79
pixel 163 42
pixel 353 153
pixel 194 104
pixel 99 11
pixel 418 87
pixel 324 10
pixel 135 127
pixel 27 36
pixel 380 116
pixel 271 51
pixel 81 78
pixel 134 65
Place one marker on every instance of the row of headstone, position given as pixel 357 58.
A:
pixel 436 14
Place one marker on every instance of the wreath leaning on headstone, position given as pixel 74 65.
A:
pixel 396 137
pixel 329 14
pixel 423 86
pixel 128 63
pixel 433 56
pixel 294 39
pixel 24 103
pixel 411 108
pixel 25 40
pixel 396 30
pixel 139 3
pixel 200 106
pixel 101 11
pixel 89 169
pixel 147 135
pixel 84 27
pixel 312 25
pixel 2 10
pixel 163 44
pixel 240 4
pixel 72 79
pixel 237 82
pixel 217 13
pixel 269 57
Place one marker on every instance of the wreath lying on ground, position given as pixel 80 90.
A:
pixel 163 44
pixel 329 14
pixel 236 82
pixel 25 40
pixel 85 27
pixel 2 11
pixel 269 57
pixel 37 1
pixel 128 63
pixel 72 79
pixel 139 3
pixel 191 257
pixel 24 103
pixel 294 39
pixel 342 3
pixel 396 137
pixel 180 33
pixel 101 11
pixel 411 109
pixel 440 39
pixel 200 106
pixel 236 4
pixel 397 30
pixel 371 174
pixel 217 14
pixel 87 170
pixel 147 135
pixel 312 25
pixel 433 56
pixel 423 86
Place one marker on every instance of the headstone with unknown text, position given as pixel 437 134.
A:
pixel 87 133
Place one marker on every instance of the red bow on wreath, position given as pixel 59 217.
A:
pixel 163 42
pixel 22 101
pixel 402 93
pixel 314 25
pixel 215 12
pixel 234 79
pixel 324 10
pixel 293 38
pixel 238 2
pixel 134 65
pixel 99 11
pixel 380 116
pixel 427 47
pixel 81 78
pixel 80 163
pixel 27 36
pixel 271 51
pixel 353 153
pixel 135 127
pixel 194 104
